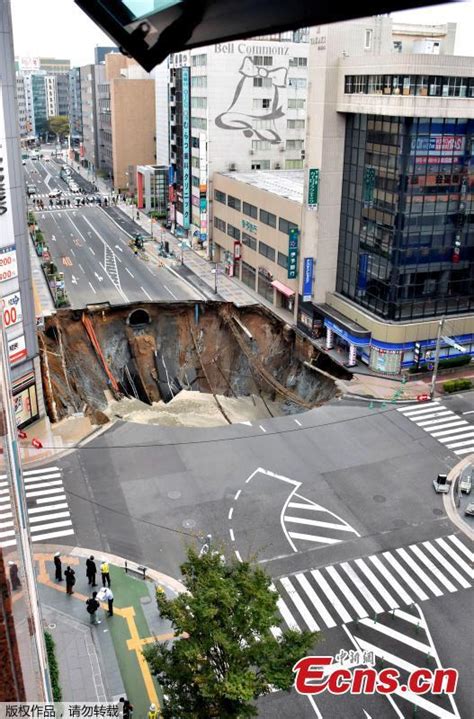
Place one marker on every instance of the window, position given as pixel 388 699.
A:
pixel 195 162
pixel 368 39
pixel 298 82
pixel 199 81
pixel 262 60
pixel 220 196
pixel 250 210
pixel 233 232
pixel 261 165
pixel 397 46
pixel 199 103
pixel 261 103
pixel 249 241
pixel 293 164
pixel 285 225
pixel 195 142
pixel 219 224
pixel 248 275
pixel 195 181
pixel 266 251
pixel 294 144
pixel 295 104
pixel 295 124
pixel 261 145
pixel 268 218
pixel 262 124
pixel 282 260
pixel 233 202
pixel 199 123
pixel 199 60
pixel 262 82
pixel 298 62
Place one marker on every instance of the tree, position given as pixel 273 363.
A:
pixel 225 655
pixel 58 125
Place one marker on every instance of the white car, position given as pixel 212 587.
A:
pixel 465 484
pixel 55 193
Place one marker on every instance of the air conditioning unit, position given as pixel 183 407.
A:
pixel 232 167
pixel 282 148
pixel 251 152
pixel 277 166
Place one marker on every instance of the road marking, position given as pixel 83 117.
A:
pixel 45 500
pixel 405 576
pixel 237 494
pixel 237 554
pixel 315 601
pixel 146 293
pixel 262 428
pixel 457 431
pixel 298 422
pixel 74 280
pixel 127 270
pixel 399 636
pixel 99 277
pixel 449 550
pixel 41 485
pixel 41 527
pixel 82 269
pixel 37 510
pixel 419 572
pixel 366 593
pixel 299 604
pixel 119 248
pixel 376 583
pixel 171 293
pixel 43 492
pixel 67 262
pixel 348 594
pixel 462 547
pixel 285 612
pixel 333 600
pixel 471 411
pixel 231 511
pixel 433 569
pixel 52 535
pixel 318 523
pixel 90 248
pixel 231 532
pixel 53 237
pixel 92 288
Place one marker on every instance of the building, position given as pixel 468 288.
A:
pixel 91 78
pixel 152 188
pixel 257 216
pixel 75 107
pixel 36 103
pixel 46 90
pixel 100 52
pixel 387 217
pixel 24 124
pixel 233 107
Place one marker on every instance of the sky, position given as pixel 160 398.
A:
pixel 58 28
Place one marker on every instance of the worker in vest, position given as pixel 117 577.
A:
pixel 105 572
pixel 153 712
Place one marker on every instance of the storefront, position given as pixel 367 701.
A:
pixel 25 400
pixel 285 296
pixel 265 284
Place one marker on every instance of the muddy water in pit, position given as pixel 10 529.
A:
pixel 193 409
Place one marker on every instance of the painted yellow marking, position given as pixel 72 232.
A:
pixel 67 261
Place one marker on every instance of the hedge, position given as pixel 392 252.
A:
pixel 455 385
pixel 53 667
pixel 458 361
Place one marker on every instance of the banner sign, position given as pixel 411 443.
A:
pixel 186 149
pixel 438 145
pixel 363 271
pixel 308 279
pixel 12 311
pixel 313 187
pixel 6 221
pixel 293 253
pixel 369 185
pixel 8 263
pixel 17 349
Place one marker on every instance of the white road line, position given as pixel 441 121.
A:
pixel 81 267
pixel 72 252
pixel 41 478
pixel 231 532
pixel 4 525
pixel 8 543
pixel 410 618
pixel 431 422
pixel 459 561
pixel 6 515
pixel 451 424
pixel 399 636
pixel 262 428
pixel 405 576
pixel 127 270
pixel 463 451
pixel 237 494
pixel 448 567
pixel 299 604
pixel 312 507
pixel 43 492
pixel 363 589
pixel 334 601
pixel 9 533
pixel 455 445
pixel 314 538
pixel 45 500
pixel 90 248
pixel 231 511
pixel 287 615
pixel 146 293
pixel 56 483
pixel 171 293
pixel 52 535
pixel 315 601
pixel 43 470
pixel 92 288
pixel 51 525
pixel 462 547
pixel 298 422
pixel 456 431
pixel 376 583
pixel 394 583
pixel 433 568
pixel 39 510
pixel 237 554
pixel 317 523
pixel 348 594
pixel 417 409
pixel 45 517
pixel 419 572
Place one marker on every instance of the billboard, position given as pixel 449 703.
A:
pixel 186 148
pixel 438 145
pixel 17 349
pixel 8 263
pixel 308 266
pixel 6 219
pixel 12 310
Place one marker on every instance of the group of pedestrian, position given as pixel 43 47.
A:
pixel 39 204
pixel 104 594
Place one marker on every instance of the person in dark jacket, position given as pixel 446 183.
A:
pixel 14 578
pixel 58 567
pixel 70 575
pixel 91 571
pixel 92 606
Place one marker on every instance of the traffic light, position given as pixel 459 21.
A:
pixel 456 256
pixel 417 353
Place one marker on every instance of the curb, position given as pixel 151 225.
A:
pixel 449 502
pixel 63 452
pixel 370 398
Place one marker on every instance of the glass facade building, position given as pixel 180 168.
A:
pixel 406 246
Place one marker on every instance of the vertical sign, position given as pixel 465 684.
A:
pixel 6 222
pixel 293 253
pixel 308 279
pixel 369 185
pixel 363 271
pixel 313 188
pixel 186 149
pixel 202 187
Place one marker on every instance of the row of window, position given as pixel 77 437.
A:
pixel 264 103
pixel 423 85
pixel 268 218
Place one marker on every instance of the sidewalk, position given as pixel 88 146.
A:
pixel 103 662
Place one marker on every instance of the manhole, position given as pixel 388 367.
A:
pixel 175 494
pixel 189 523
pixel 379 498
pixel 51 626
pixel 438 512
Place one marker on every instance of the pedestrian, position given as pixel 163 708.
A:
pixel 106 593
pixel 70 575
pixel 14 578
pixel 127 708
pixel 152 712
pixel 105 572
pixel 91 571
pixel 58 565
pixel 92 605
pixel 138 215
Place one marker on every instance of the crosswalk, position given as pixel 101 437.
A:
pixel 306 522
pixel 47 507
pixel 369 586
pixel 444 425
pixel 64 194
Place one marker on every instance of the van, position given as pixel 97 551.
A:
pixel 31 190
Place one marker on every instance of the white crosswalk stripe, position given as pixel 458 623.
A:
pixel 48 510
pixel 320 525
pixel 442 424
pixel 370 586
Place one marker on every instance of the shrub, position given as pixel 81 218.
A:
pixel 458 361
pixel 456 385
pixel 53 667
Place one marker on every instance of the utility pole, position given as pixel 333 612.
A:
pixel 436 361
pixel 215 278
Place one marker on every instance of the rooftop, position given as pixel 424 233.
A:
pixel 286 183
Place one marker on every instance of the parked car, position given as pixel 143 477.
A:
pixel 440 484
pixel 465 484
pixel 470 509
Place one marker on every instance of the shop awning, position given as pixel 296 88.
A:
pixel 280 287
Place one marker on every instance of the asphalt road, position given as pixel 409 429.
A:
pixel 325 492
pixel 98 264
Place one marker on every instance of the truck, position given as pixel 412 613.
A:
pixel 440 484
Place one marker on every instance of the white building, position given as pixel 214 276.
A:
pixel 236 106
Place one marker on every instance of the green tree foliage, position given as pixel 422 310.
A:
pixel 59 125
pixel 226 656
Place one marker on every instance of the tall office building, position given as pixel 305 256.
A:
pixel 75 106
pixel 46 87
pixel 100 52
pixel 236 106
pixel 388 222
